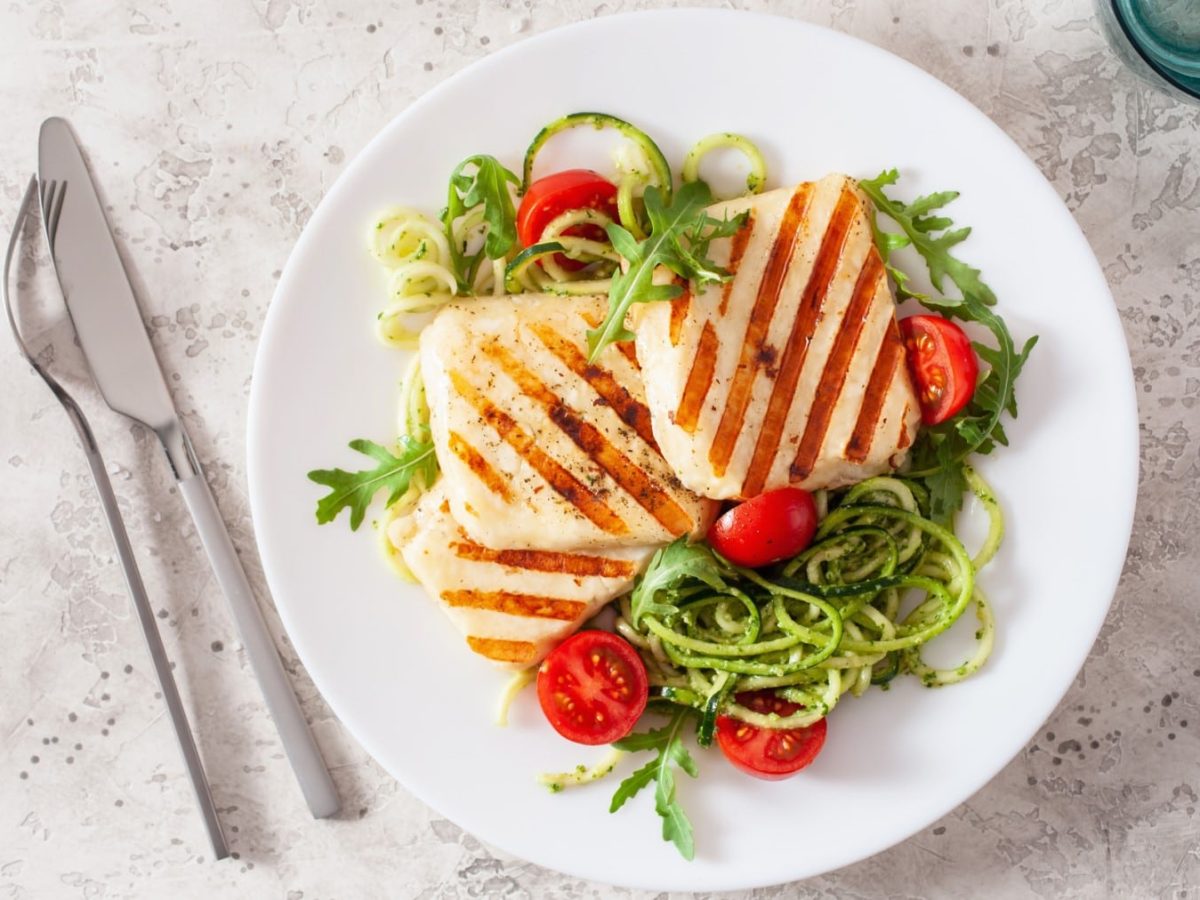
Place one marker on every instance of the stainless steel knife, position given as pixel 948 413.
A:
pixel 109 323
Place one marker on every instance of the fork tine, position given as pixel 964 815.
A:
pixel 52 208
pixel 18 227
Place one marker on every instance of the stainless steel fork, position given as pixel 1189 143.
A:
pixel 116 526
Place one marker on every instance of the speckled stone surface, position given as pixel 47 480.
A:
pixel 216 128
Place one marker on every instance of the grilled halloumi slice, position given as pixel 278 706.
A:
pixel 793 371
pixel 538 447
pixel 513 606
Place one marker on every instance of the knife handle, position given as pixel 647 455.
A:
pixel 298 742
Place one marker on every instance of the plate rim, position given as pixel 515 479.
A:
pixel 1107 311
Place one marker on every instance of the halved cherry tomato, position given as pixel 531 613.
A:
pixel 551 196
pixel 766 528
pixel 942 363
pixel 593 687
pixel 765 752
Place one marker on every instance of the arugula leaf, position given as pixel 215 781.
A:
pixel 480 180
pixel 680 231
pixel 941 451
pixel 671 753
pixel 634 783
pixel 669 570
pixel 394 474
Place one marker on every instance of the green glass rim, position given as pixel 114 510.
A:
pixel 1138 42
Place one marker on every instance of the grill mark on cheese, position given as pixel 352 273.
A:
pixel 737 249
pixel 738 398
pixel 530 606
pixel 503 651
pixel 483 470
pixel 625 347
pixel 631 411
pixel 631 478
pixel 833 376
pixel 905 438
pixel 567 485
pixel 812 298
pixel 546 561
pixel 891 352
pixel 680 307
pixel 630 353
pixel 699 380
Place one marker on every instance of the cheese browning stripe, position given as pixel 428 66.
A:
pixel 812 299
pixel 629 351
pixel 905 438
pixel 833 377
pixel 513 604
pixel 629 409
pixel 680 307
pixel 481 467
pixel 699 380
pixel 631 478
pixel 503 651
pixel 737 249
pixel 546 561
pixel 891 354
pixel 767 299
pixel 567 485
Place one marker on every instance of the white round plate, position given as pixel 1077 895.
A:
pixel 402 680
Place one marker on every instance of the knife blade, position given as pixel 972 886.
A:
pixel 96 286
pixel 104 310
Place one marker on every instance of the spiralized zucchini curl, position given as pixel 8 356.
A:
pixel 857 608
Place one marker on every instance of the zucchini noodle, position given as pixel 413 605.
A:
pixel 414 409
pixel 659 169
pixel 856 608
pixel 537 268
pixel 633 176
pixel 581 774
pixel 416 254
pixel 756 178
pixel 414 424
pixel 509 693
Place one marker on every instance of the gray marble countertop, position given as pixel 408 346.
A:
pixel 216 128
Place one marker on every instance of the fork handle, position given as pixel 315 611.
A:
pixel 145 613
pixel 298 742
